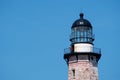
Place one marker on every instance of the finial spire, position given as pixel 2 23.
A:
pixel 81 15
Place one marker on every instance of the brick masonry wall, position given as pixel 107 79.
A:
pixel 84 70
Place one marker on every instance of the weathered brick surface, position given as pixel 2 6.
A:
pixel 84 70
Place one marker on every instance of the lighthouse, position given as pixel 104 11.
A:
pixel 82 57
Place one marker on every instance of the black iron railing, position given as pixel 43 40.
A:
pixel 95 50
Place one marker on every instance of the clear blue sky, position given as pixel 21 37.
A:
pixel 33 34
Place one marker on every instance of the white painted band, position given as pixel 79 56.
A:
pixel 83 47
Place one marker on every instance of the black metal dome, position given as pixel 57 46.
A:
pixel 81 22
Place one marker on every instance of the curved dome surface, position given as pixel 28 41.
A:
pixel 81 22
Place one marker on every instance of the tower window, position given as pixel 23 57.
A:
pixel 92 58
pixel 73 71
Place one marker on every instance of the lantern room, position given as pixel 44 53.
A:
pixel 81 31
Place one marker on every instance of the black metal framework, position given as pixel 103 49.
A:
pixel 82 34
pixel 68 55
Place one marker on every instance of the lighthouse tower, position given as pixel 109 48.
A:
pixel 82 57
